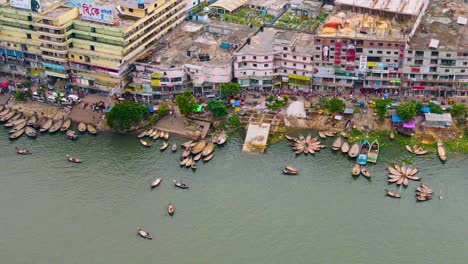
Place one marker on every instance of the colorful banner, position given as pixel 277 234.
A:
pixel 325 53
pixel 362 63
pixel 338 47
pixel 34 5
pixel 372 64
pixel 299 77
pixel 97 13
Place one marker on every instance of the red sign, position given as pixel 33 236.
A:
pixel 418 87
pixel 338 46
pixel 415 70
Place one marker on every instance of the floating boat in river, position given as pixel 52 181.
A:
pixel 363 152
pixel 149 132
pixel 222 137
pixel 441 151
pixel 337 143
pixel 186 153
pixel 73 159
pixel 354 150
pixel 180 185
pixel 392 194
pixel 16 117
pixel 144 234
pixel 197 157
pixel 161 134
pixel 170 209
pixel 199 147
pixel 373 152
pixel 189 162
pixel 156 182
pixel 56 126
pixel 145 143
pixel 209 157
pixel 291 168
pixel 30 132
pixel 155 134
pixel 72 135
pixel 174 147
pixel 2 107
pixel 164 146
pixel 287 137
pixel 194 165
pixel 81 127
pixel 18 127
pixel 365 171
pixel 7 116
pixel 187 144
pixel 409 149
pixel 91 129
pixel 184 161
pixel 66 125
pixel 17 134
pixel 208 149
pixel 322 135
pixel 142 134
pixel 356 170
pixel 329 133
pixel 14 122
pixel 32 121
pixel 166 135
pixel 345 147
pixel 285 171
pixel 22 151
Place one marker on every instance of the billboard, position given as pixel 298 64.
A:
pixel 101 14
pixel 325 53
pixel 34 5
pixel 362 63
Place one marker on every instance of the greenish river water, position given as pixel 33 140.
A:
pixel 239 208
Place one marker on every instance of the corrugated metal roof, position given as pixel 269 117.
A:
pixel 229 5
pixel 438 117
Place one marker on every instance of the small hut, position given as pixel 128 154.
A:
pixel 438 120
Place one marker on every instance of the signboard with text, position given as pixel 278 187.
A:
pixel 34 5
pixel 101 14
pixel 362 63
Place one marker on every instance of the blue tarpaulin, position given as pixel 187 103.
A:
pixel 236 103
pixel 386 95
pixel 425 109
pixel 151 109
pixel 396 118
pixel 348 111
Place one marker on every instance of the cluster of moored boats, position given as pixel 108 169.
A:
pixel 21 124
pixel 306 145
pixel 156 134
pixel 423 193
pixel 400 175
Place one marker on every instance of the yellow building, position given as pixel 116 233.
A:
pixel 92 46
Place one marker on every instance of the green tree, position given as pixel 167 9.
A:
pixel 124 115
pixel 435 108
pixel 234 121
pixel 218 108
pixel 458 109
pixel 186 102
pixel 229 89
pixel 274 103
pixel 20 96
pixel 381 107
pixel 407 110
pixel 163 109
pixel 336 105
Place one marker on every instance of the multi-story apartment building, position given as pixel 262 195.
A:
pixel 275 58
pixel 195 56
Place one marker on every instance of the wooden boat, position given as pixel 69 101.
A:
pixel 18 127
pixel 322 135
pixel 66 125
pixel 166 135
pixel 170 209
pixel 329 133
pixel 373 152
pixel 418 150
pixel 186 153
pixel 345 147
pixel 30 132
pixel 73 159
pixel 354 150
pixel 409 149
pixel 441 150
pixel 193 144
pixel 144 234
pixel 392 135
pixel 32 121
pixel 214 140
pixel 208 149
pixel 184 161
pixel 291 168
pixel 356 170
pixel 199 147
pixel 56 126
pixel 197 157
pixel 180 185
pixel 72 135
pixel 194 165
pixel 392 194
pixel 14 122
pixel 287 172
pixel 187 144
pixel 164 146
pixel 17 134
pixel 149 132
pixel 91 129
pixel 7 116
pixel 145 143
pixel 174 147
pixel 222 137
pixel 23 151
pixel 46 125
pixel 337 143
pixel 189 162
pixel 161 134
pixel 289 137
pixel 365 172
pixel 16 117
pixel 142 134
pixel 2 107
pixel 347 125
pixel 155 135
pixel 207 158
pixel 363 152
pixel 156 182
pixel 81 127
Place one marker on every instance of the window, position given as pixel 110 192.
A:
pixel 93 30
pixel 265 65
pixel 317 48
pixel 395 60
pixel 294 64
pixel 294 57
pixel 379 52
pixel 372 43
pixel 389 52
pixel 462 71
pixel 245 63
pixel 389 44
pixel 332 41
pixel 318 40
pixel 387 60
pixel 285 48
pixel 304 58
pixel 130 10
pixel 409 59
pixel 371 52
pixel 447 70
pixel 317 56
pixel 91 47
pixel 410 52
pixel 254 57
pixel 28 36
pixel 284 71
pixel 294 72
pixel 396 52
pixel 284 63
pixel 284 55
pixel 305 66
pixel 81 57
pixel 266 57
pixel 449 55
pixel 380 44
pixel 465 63
pixel 243 57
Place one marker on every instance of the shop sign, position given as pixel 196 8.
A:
pixel 298 77
pixel 415 70
pixel 34 5
pixel 372 64
pixel 97 13
pixel 379 71
pixel 362 63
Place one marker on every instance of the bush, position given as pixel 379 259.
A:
pixel 336 105
pixel 20 96
pixel 458 109
pixel 435 108
pixel 163 109
pixel 218 108
pixel 234 121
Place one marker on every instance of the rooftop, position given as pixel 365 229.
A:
pixel 440 23
pixel 273 4
pixel 134 3
pixel 192 41
pixel 407 7
pixel 56 12
pixel 364 26
pixel 229 5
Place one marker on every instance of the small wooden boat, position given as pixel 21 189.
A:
pixel 149 132
pixel 363 152
pixel 187 144
pixel 189 162
pixel 337 143
pixel 354 150
pixel 56 126
pixel 347 125
pixel 15 122
pixel 166 135
pixel 345 147
pixel 30 132
pixel 289 137
pixel 418 150
pixel 17 134
pixel 194 165
pixel 373 152
pixel 365 172
pixel 186 153
pixel 322 135
pixel 144 234
pixel 2 110
pixel 291 168
pixel 392 135
pixel 208 149
pixel 392 194
pixel 73 159
pixel 287 172
pixel 214 140
pixel 356 170
pixel 145 143
pixel 72 135
pixel 16 117
pixel 142 134
pixel 46 125
pixel 18 127
pixel 197 157
pixel 329 133
pixel 81 127
pixel 164 146
pixel 174 147
pixel 184 161
pixel 207 158
pixel 180 185
pixel 409 149
pixel 155 135
pixel 199 147
pixel 161 134
pixel 23 151
pixel 91 129
pixel 441 151
pixel 170 209
pixel 222 137
pixel 7 116
pixel 32 121
pixel 156 182
pixel 66 125
pixel 193 144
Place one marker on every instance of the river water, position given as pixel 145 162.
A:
pixel 239 208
